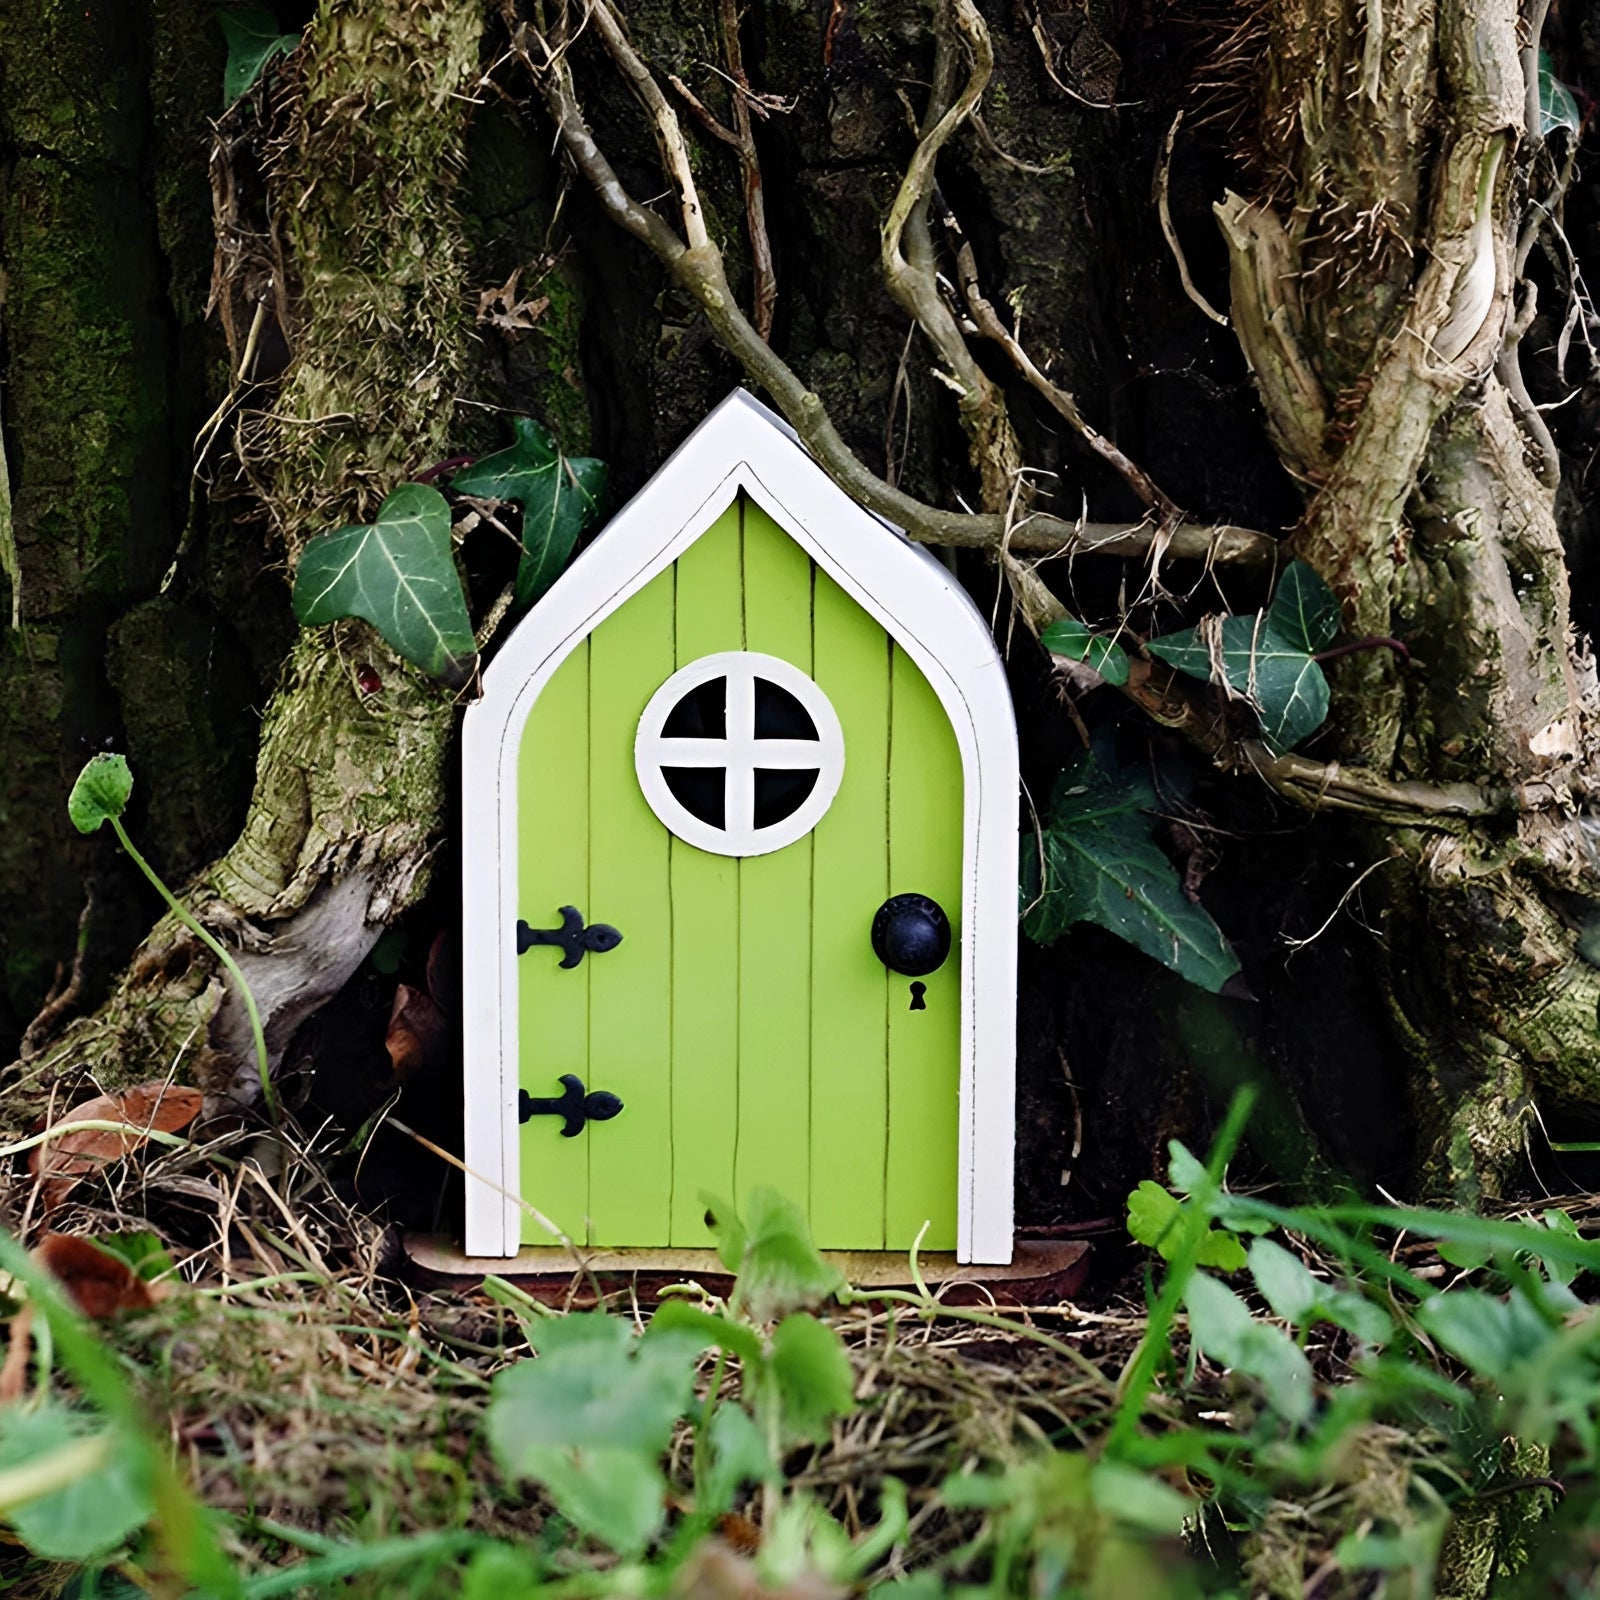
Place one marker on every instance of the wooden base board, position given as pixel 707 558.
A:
pixel 1041 1271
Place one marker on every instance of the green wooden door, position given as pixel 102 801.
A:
pixel 744 1021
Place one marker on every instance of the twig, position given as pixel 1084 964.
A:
pixel 663 121
pixel 909 269
pixel 990 325
pixel 61 1000
pixel 764 287
pixel 1170 233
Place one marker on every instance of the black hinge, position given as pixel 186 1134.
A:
pixel 572 936
pixel 574 1106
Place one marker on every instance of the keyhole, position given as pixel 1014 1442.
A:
pixel 917 992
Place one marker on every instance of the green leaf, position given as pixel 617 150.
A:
pixel 1298 1297
pixel 100 793
pixel 1285 1282
pixel 1153 1220
pixel 1558 1221
pixel 1304 611
pixel 589 1420
pixel 560 497
pixel 1223 1328
pixel 142 1251
pixel 253 40
pixel 678 1316
pixel 780 1269
pixel 1101 864
pixel 399 575
pixel 1139 1499
pixel 739 1455
pixel 1557 107
pixel 1489 1334
pixel 1077 642
pixel 727 1228
pixel 1287 688
pixel 92 1515
pixel 500 1572
pixel 813 1376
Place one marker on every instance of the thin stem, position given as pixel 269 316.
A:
pixel 1356 645
pixel 213 944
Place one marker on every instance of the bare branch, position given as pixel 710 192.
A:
pixel 1331 787
pixel 764 287
pixel 663 120
pixel 991 327
pixel 909 269
pixel 1164 211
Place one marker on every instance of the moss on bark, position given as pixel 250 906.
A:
pixel 349 783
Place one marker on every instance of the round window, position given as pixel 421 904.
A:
pixel 739 753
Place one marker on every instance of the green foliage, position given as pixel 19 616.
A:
pixel 812 1375
pixel 1557 107
pixel 770 1249
pixel 1266 657
pixel 589 1420
pixel 1127 1500
pixel 1303 1300
pixel 253 40
pixel 105 1500
pixel 1153 1213
pixel 1075 640
pixel 1101 863
pixel 101 792
pixel 560 497
pixel 399 574
pixel 1222 1326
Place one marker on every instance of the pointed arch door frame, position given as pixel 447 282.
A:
pixel 744 446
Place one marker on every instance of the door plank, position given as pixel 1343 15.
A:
pixel 774 1148
pixel 705 923
pixel 552 1004
pixel 849 996
pixel 630 988
pixel 925 799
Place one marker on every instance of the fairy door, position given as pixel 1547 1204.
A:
pixel 737 772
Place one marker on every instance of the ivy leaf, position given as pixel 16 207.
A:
pixel 253 40
pixel 1068 637
pixel 559 495
pixel 100 793
pixel 1286 687
pixel 1101 864
pixel 1557 108
pixel 1304 611
pixel 399 575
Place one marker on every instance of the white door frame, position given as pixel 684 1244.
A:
pixel 743 445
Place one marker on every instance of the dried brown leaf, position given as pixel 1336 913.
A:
pixel 417 1036
pixel 97 1282
pixel 160 1107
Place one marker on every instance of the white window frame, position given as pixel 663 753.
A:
pixel 742 446
pixel 738 754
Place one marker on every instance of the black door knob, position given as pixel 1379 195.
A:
pixel 911 935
